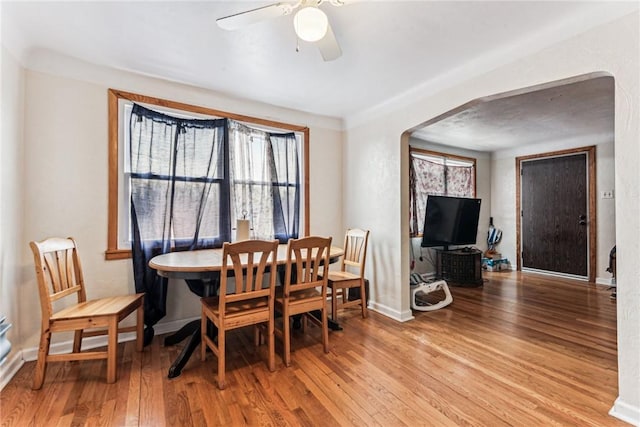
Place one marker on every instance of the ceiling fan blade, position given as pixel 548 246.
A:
pixel 242 19
pixel 329 47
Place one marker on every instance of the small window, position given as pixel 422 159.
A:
pixel 438 174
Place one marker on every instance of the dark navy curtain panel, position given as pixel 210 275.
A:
pixel 191 180
pixel 179 197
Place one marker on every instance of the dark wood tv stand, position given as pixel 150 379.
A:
pixel 461 267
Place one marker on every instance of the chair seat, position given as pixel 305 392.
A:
pixel 108 306
pixel 343 276
pixel 61 286
pixel 239 313
pixel 238 307
pixel 299 295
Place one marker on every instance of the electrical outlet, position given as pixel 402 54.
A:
pixel 608 194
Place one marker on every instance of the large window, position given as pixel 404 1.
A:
pixel 255 171
pixel 438 174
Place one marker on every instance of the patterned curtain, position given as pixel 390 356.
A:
pixel 460 181
pixel 425 177
pixel 433 176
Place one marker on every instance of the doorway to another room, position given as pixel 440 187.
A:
pixel 556 213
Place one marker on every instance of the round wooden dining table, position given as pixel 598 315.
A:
pixel 202 267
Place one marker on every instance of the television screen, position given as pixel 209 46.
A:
pixel 450 221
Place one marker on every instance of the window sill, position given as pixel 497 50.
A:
pixel 113 254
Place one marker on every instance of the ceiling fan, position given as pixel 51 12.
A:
pixel 310 23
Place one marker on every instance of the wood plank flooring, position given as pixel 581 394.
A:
pixel 523 350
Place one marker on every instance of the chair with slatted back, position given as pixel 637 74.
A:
pixel 248 302
pixel 351 274
pixel 60 279
pixel 305 288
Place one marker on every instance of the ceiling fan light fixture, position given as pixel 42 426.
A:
pixel 310 24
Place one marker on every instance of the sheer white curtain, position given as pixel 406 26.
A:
pixel 265 175
pixel 250 175
pixel 286 178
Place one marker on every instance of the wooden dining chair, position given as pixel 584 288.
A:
pixel 351 274
pixel 60 277
pixel 247 303
pixel 305 288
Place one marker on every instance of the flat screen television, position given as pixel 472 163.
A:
pixel 450 221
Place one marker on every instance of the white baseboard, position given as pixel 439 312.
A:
pixel 605 281
pixel 625 412
pixel 168 327
pixel 10 368
pixel 13 364
pixel 400 316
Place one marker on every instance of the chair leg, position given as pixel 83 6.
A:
pixel 221 354
pixel 334 303
pixel 77 341
pixel 203 336
pixel 140 326
pixel 112 350
pixel 257 335
pixel 41 364
pixel 286 337
pixel 272 344
pixel 325 330
pixel 363 299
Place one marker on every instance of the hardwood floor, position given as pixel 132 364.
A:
pixel 523 350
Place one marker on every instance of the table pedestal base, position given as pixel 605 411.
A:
pixel 194 339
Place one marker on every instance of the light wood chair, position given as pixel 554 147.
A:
pixel 59 276
pixel 305 288
pixel 248 303
pixel 351 274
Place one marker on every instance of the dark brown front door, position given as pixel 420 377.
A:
pixel 554 207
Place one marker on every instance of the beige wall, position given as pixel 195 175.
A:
pixel 65 174
pixel 11 244
pixel 376 190
pixel 503 202
pixel 65 181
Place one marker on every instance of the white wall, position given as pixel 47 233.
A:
pixel 483 191
pixel 503 205
pixel 373 177
pixel 496 186
pixel 376 192
pixel 11 208
pixel 65 183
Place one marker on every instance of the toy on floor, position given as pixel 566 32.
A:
pixel 426 301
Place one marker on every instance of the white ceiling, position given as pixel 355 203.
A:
pixel 581 109
pixel 391 49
